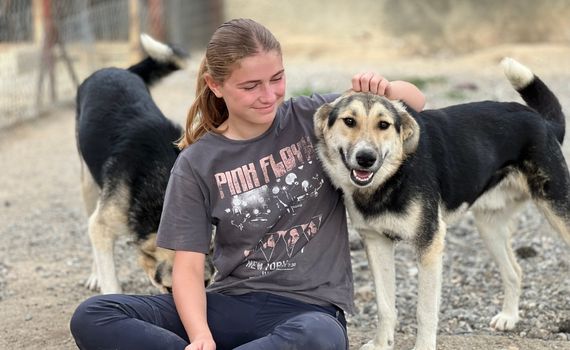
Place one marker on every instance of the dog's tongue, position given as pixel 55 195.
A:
pixel 362 174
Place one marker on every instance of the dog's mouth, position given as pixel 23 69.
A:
pixel 360 177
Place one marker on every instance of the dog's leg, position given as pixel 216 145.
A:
pixel 496 234
pixel 105 224
pixel 429 289
pixel 380 252
pixel 90 192
pixel 92 282
pixel 561 223
pixel 89 189
pixel 549 181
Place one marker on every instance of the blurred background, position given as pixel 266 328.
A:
pixel 48 46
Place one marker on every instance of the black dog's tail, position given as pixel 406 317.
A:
pixel 162 60
pixel 536 94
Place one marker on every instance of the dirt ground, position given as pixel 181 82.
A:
pixel 44 250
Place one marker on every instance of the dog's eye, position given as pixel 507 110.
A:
pixel 349 122
pixel 384 125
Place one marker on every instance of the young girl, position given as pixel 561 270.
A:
pixel 248 167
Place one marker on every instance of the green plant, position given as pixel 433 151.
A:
pixel 456 95
pixel 423 82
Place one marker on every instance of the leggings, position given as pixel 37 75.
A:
pixel 245 322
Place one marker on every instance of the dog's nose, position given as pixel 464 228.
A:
pixel 365 159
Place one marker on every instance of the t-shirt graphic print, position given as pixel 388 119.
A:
pixel 261 192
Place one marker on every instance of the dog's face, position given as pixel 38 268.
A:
pixel 363 138
pixel 157 263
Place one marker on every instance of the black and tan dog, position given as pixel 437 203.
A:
pixel 407 175
pixel 127 147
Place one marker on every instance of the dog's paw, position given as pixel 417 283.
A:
pixel 428 343
pixel 371 346
pixel 504 322
pixel 92 282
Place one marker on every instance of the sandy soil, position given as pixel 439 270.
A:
pixel 44 250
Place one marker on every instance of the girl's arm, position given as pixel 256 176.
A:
pixel 395 90
pixel 407 92
pixel 190 298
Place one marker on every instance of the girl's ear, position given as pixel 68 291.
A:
pixel 213 85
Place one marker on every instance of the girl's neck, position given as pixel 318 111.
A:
pixel 241 132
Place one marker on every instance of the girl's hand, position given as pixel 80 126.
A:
pixel 202 343
pixel 371 82
pixel 394 90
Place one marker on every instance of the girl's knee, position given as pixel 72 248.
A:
pixel 82 317
pixel 90 313
pixel 80 321
pixel 322 331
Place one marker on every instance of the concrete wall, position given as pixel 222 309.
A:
pixel 414 26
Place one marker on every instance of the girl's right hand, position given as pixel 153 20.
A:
pixel 206 343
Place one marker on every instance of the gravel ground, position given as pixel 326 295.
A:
pixel 45 254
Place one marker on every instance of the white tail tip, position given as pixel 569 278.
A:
pixel 519 75
pixel 155 49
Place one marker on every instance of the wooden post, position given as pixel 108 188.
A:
pixel 134 31
pixel 155 14
pixel 47 58
pixel 47 63
pixel 37 13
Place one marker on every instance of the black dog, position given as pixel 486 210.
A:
pixel 127 147
pixel 407 175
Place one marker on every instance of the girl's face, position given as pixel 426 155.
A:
pixel 252 93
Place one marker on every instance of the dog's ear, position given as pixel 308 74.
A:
pixel 147 247
pixel 410 130
pixel 321 119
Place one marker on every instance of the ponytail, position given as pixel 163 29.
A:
pixel 207 112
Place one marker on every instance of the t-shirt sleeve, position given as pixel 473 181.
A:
pixel 307 105
pixel 185 223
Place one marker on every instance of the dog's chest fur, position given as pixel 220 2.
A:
pixel 401 225
pixel 406 222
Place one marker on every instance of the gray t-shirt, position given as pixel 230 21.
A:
pixel 280 224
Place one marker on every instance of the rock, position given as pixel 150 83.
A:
pixel 538 333
pixel 564 326
pixel 526 252
pixel 365 293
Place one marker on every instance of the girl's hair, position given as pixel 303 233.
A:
pixel 232 41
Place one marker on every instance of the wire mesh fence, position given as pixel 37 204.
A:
pixel 47 47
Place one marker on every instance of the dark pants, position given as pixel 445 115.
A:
pixel 250 321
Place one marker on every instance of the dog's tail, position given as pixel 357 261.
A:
pixel 162 60
pixel 536 94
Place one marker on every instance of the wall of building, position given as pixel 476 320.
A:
pixel 416 26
